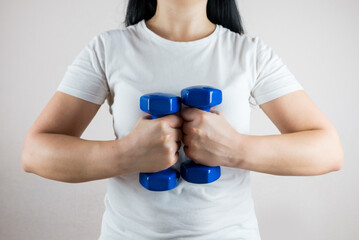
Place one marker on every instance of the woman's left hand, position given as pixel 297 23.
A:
pixel 209 139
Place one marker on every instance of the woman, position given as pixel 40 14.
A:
pixel 167 46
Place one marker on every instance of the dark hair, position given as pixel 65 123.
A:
pixel 222 12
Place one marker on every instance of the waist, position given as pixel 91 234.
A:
pixel 225 205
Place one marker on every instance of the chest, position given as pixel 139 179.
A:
pixel 134 75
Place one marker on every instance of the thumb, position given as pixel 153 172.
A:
pixel 216 112
pixel 147 116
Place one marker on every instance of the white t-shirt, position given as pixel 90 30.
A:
pixel 121 65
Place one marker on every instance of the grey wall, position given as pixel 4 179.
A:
pixel 318 40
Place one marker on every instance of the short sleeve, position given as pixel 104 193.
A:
pixel 273 78
pixel 85 78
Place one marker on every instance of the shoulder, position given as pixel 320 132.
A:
pixel 126 32
pixel 244 41
pixel 108 39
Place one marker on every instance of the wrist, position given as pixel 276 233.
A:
pixel 120 163
pixel 243 145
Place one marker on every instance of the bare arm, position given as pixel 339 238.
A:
pixel 53 148
pixel 309 143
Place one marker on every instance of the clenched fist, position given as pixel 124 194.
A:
pixel 209 139
pixel 153 144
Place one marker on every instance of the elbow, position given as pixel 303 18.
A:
pixel 25 161
pixel 338 161
pixel 336 153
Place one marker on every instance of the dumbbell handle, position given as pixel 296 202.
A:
pixel 203 98
pixel 160 105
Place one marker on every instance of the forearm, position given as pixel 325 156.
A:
pixel 311 152
pixel 72 159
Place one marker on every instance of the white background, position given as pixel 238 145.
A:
pixel 318 40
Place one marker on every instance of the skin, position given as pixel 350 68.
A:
pixel 308 145
pixel 181 20
pixel 53 148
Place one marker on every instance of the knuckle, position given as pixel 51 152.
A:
pixel 202 117
pixel 166 138
pixel 192 130
pixel 197 131
pixel 170 149
pixel 162 124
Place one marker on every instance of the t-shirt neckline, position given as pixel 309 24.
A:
pixel 158 38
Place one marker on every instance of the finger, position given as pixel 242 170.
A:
pixel 185 149
pixel 187 128
pixel 186 140
pixel 189 114
pixel 173 120
pixel 216 111
pixel 178 135
pixel 187 152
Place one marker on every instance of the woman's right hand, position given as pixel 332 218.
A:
pixel 153 144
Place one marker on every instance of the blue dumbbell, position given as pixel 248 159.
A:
pixel 160 105
pixel 202 97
